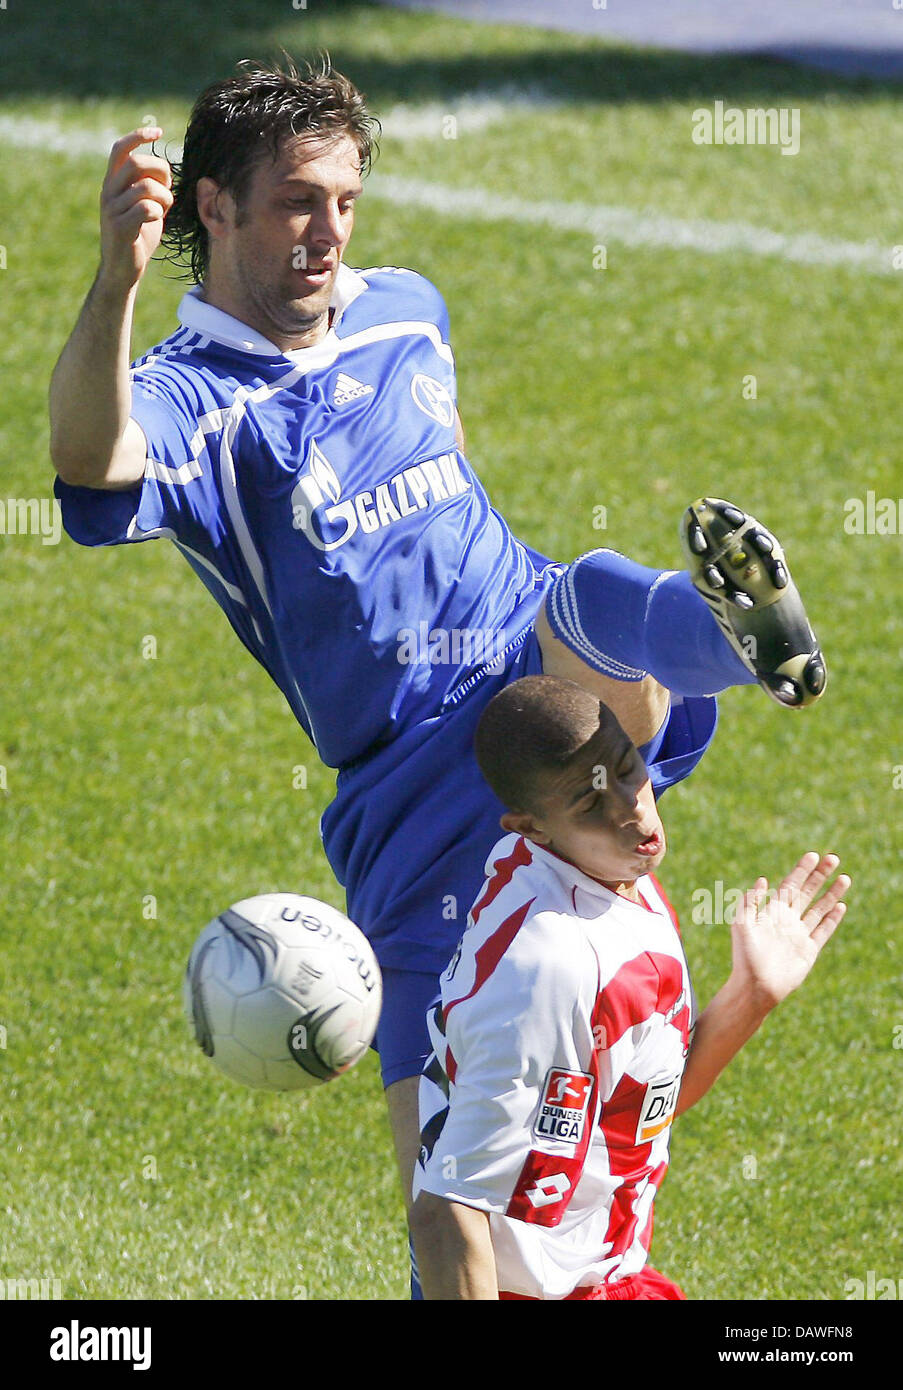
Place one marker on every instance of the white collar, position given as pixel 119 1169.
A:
pixel 194 312
pixel 576 878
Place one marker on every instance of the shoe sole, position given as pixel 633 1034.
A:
pixel 740 569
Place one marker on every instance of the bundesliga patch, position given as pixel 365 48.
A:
pixel 659 1105
pixel 563 1109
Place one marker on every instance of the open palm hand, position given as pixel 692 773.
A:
pixel 777 935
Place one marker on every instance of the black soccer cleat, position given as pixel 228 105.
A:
pixel 740 570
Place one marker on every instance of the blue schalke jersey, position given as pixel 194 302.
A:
pixel 320 496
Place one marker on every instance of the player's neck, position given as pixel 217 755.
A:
pixel 627 889
pixel 624 890
pixel 215 293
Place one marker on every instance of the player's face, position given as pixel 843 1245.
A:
pixel 275 256
pixel 599 811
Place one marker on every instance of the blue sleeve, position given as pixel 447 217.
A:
pixel 419 296
pixel 170 497
pixel 437 310
pixel 441 313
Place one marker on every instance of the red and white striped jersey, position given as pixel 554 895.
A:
pixel 559 1047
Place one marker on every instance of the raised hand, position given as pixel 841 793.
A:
pixel 777 935
pixel 134 199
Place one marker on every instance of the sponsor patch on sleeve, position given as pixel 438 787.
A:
pixel 659 1105
pixel 564 1107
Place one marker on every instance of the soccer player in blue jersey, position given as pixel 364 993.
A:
pixel 297 438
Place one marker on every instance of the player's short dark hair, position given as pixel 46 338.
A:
pixel 531 728
pixel 236 123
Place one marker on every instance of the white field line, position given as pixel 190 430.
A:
pixel 471 111
pixel 604 223
pixel 632 227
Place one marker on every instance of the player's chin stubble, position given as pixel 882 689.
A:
pixel 286 313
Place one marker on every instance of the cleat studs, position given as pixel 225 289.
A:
pixel 787 692
pixel 738 568
pixel 815 675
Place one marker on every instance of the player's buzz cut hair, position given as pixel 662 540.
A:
pixel 237 123
pixel 531 728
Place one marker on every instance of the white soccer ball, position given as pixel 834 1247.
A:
pixel 282 992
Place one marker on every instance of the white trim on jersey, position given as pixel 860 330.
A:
pixel 229 485
pixel 195 313
pixel 383 332
pixel 177 344
pixel 156 533
pixel 231 589
pixel 165 473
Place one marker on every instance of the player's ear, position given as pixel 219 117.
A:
pixel 209 197
pixel 522 823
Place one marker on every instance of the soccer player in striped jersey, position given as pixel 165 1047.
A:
pixel 566 1039
pixel 297 439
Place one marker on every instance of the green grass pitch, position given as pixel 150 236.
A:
pixel 141 794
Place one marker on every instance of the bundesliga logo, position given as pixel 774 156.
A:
pixel 563 1109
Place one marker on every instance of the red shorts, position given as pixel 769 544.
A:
pixel 647 1284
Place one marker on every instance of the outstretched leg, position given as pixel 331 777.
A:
pixel 625 631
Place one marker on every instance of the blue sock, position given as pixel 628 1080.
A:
pixel 628 621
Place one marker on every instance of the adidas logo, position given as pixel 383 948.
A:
pixel 347 389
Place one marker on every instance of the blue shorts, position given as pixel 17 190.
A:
pixel 411 828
